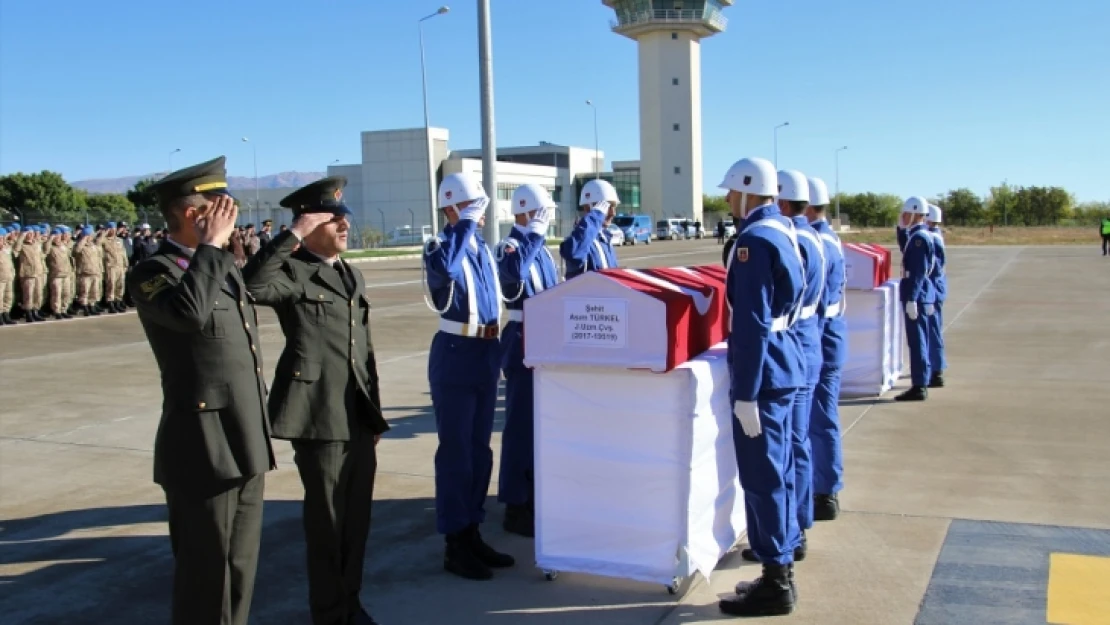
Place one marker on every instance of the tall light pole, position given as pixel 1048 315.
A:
pixel 597 151
pixel 837 155
pixel 777 142
pixel 427 130
pixel 489 145
pixel 172 152
pixel 254 148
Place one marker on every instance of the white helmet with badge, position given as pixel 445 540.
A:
pixel 458 188
pixel 793 186
pixel 531 197
pixel 916 205
pixel 755 176
pixel 934 214
pixel 818 192
pixel 598 190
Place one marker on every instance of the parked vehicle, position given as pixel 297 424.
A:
pixel 670 229
pixel 618 235
pixel 636 228
pixel 407 235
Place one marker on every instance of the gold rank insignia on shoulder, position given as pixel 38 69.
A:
pixel 155 285
pixel 742 254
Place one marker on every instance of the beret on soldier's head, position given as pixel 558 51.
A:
pixel 209 177
pixel 323 196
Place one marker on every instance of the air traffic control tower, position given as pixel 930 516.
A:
pixel 669 33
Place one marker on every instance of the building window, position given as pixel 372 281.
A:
pixel 674 35
pixel 677 170
pixel 505 190
pixel 674 81
pixel 676 126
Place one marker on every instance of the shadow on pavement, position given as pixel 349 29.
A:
pixel 104 566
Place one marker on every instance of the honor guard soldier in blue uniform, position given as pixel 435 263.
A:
pixel 824 419
pixel 526 268
pixel 589 246
pixel 212 449
pixel 766 284
pixel 463 372
pixel 937 362
pixel 917 293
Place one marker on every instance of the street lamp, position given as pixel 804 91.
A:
pixel 597 152
pixel 255 149
pixel 837 155
pixel 427 132
pixel 172 152
pixel 777 142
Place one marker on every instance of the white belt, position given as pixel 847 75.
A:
pixel 490 331
pixel 808 311
pixel 780 324
pixel 516 315
pixel 832 311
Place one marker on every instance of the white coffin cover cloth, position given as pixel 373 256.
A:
pixel 868 369
pixel 896 331
pixel 860 265
pixel 636 474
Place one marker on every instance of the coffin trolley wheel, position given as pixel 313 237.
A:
pixel 672 588
pixel 550 575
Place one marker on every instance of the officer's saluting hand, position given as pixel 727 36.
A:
pixel 212 448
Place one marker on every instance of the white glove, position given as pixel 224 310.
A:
pixel 929 309
pixel 538 224
pixel 602 208
pixel 911 310
pixel 748 414
pixel 475 211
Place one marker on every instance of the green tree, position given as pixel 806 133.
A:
pixel 141 195
pixel 45 195
pixel 870 210
pixel 963 208
pixel 715 204
pixel 110 207
pixel 1002 204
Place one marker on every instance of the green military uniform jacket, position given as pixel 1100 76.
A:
pixel 203 331
pixel 327 336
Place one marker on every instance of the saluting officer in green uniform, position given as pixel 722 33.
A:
pixel 212 448
pixel 325 395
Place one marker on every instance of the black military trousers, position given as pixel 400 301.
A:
pixel 215 535
pixel 338 479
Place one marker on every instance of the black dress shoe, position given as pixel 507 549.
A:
pixel 487 554
pixel 520 520
pixel 916 393
pixel 937 381
pixel 769 595
pixel 362 617
pixel 825 507
pixel 459 558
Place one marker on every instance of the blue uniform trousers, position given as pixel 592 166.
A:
pixel 824 434
pixel 765 475
pixel 917 336
pixel 937 361
pixel 802 449
pixel 463 374
pixel 516 482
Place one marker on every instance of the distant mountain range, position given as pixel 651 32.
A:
pixel 284 180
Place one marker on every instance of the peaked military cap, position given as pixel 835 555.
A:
pixel 209 177
pixel 323 196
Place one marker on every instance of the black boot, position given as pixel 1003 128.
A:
pixel 770 595
pixel 459 558
pixel 6 319
pixel 937 381
pixel 520 520
pixel 916 393
pixel 36 315
pixel 91 311
pixel 487 554
pixel 799 552
pixel 825 507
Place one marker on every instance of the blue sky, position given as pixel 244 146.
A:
pixel 927 95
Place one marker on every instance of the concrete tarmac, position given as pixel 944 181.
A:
pixel 941 497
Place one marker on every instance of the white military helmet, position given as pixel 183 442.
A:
pixel 916 205
pixel 598 190
pixel 460 187
pixel 531 197
pixel 755 176
pixel 818 192
pixel 934 214
pixel 793 186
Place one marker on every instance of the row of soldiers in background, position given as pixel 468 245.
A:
pixel 61 271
